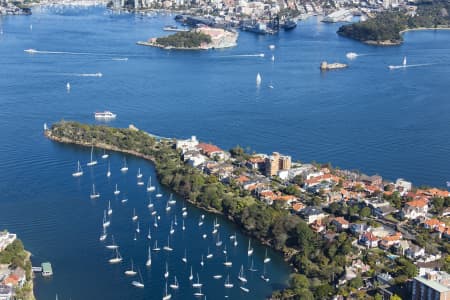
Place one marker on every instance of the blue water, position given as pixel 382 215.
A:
pixel 365 117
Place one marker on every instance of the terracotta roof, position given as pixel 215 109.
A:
pixel 418 203
pixel 297 206
pixel 208 148
pixel 370 236
pixel 341 220
pixel 392 238
pixel 433 222
pixel 243 179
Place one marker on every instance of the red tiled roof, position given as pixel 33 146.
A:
pixel 208 148
pixel 341 220
pixel 418 203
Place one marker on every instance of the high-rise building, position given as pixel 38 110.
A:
pixel 434 285
pixel 277 162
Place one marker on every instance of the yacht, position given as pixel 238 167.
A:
pixel 252 267
pixel 241 275
pixel 197 284
pixel 150 187
pixel 258 79
pixel 166 296
pixel 199 293
pixel 94 195
pixel 209 255
pixel 168 248
pixel 124 168
pixel 105 155
pixel 139 174
pixel 105 115
pixel 264 276
pixel 227 284
pixel 183 227
pixel 116 191
pixel 217 276
pixel 103 235
pixel 92 162
pixel 219 241
pixel 227 263
pixel 166 274
pixel 250 249
pixel 79 171
pixel 156 248
pixel 149 259
pixel 109 208
pixel 158 194
pixel 108 173
pixel 113 244
pixel 243 288
pixel 134 217
pixel 106 222
pixel 139 283
pixel 190 275
pixel 171 201
pixel 184 259
pixel 131 272
pixel 202 263
pixel 150 203
pixel 149 235
pixel 117 259
pixel 138 230
pixel 175 284
pixel 266 258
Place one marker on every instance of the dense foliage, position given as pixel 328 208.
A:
pixel 386 26
pixel 191 39
pixel 15 256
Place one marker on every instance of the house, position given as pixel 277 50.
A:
pixel 312 213
pixel 257 163
pixel 317 226
pixel 415 209
pixel 433 224
pixel 374 180
pixel 403 186
pixel 211 151
pixel 297 206
pixel 187 145
pixel 340 223
pixel 6 292
pixel 414 252
pixel 369 240
pixel 380 208
pixel 390 240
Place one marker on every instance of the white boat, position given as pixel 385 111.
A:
pixel 271 47
pixel 199 293
pixel 155 224
pixel 104 115
pixel 216 224
pixel 264 276
pixel 403 65
pixel 183 227
pixel 103 235
pixel 92 162
pixel 139 283
pixel 158 194
pixel 166 296
pixel 94 195
pixel 273 57
pixel 150 187
pixel 219 241
pixel 105 222
pixel 79 171
pixel 225 250
pixel 124 200
pixel 153 212
pixel 184 259
pixel 243 288
pixel 217 276
pixel 250 249
pixel 233 236
pixel 166 274
pixel 140 183
pixel 117 259
pixel 171 201
pixel 241 275
pixel 204 236
pixel 184 214
pixel 252 267
pixel 116 191
pixel 202 263
pixel 124 168
pixel 197 284
pixel 138 230
pixel 258 79
pixel 109 208
pixel 175 284
pixel 108 173
pixel 149 235
pixel 167 247
pixel 167 206
pixel 131 272
pixel 209 255
pixel 105 155
pixel 139 174
pixel 202 217
pixel 113 245
pixel 190 275
pixel 156 248
pixel 31 51
pixel 135 237
pixel 200 222
pixel 228 284
pixel 148 263
pixel 150 203
pixel 351 55
pixel 171 231
pixel 266 258
pixel 227 263
pixel 404 61
pixel 235 243
pixel 134 217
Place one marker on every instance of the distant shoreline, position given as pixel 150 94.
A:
pixel 389 43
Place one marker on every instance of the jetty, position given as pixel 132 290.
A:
pixel 47 270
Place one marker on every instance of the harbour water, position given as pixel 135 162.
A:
pixel 366 117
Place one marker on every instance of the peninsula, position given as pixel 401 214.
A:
pixel 16 278
pixel 386 28
pixel 345 233
pixel 202 38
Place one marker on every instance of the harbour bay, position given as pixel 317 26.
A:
pixel 309 115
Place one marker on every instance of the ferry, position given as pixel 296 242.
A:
pixel 105 115
pixel 31 51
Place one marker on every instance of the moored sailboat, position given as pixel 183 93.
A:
pixel 140 283
pixel 150 188
pixel 124 167
pixel 92 162
pixel 148 263
pixel 117 259
pixel 94 195
pixel 79 171
pixel 131 272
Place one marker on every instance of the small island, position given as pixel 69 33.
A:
pixel 202 38
pixel 386 28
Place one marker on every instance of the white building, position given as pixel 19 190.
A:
pixel 6 239
pixel 403 185
pixel 187 145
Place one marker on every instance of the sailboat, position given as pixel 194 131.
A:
pixel 166 274
pixel 139 174
pixel 68 87
pixel 94 195
pixel 183 227
pixel 105 155
pixel 214 228
pixel 149 235
pixel 184 213
pixel 135 237
pixel 184 259
pixel 78 172
pixel 149 259
pixel 155 224
pixel 258 79
pixel 266 258
pixel 117 259
pixel 131 272
pixel 150 188
pixel 241 275
pixel 250 249
pixel 168 248
pixel 243 288
pixel 252 267
pixel 124 200
pixel 217 276
pixel 172 230
pixel 225 250
pixel 167 206
pixel 116 191
pixel 134 217
pixel 233 236
pixel 109 208
pixel 219 241
pixel 140 182
pixel 200 222
pixel 235 243
pixel 108 173
pixel 158 194
pixel 106 222
pixel 228 284
pixel 124 168
pixel 264 276
pixel 227 263
pixel 175 284
pixel 190 275
pixel 197 284
pixel 138 230
pixel 113 245
pixel 403 65
pixel 171 201
pixel 199 293
pixel 166 296
pixel 209 255
pixel 92 162
pixel 204 236
pixel 139 283
pixel 150 203
pixel 103 235
pixel 156 248
pixel 273 58
pixel 202 263
pixel 216 224
pixel 404 61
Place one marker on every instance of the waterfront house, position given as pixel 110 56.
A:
pixel 212 151
pixel 312 213
pixel 187 145
pixel 403 186
pixel 379 207
pixel 374 180
pixel 415 209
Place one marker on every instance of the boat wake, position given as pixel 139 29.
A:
pixel 34 51
pixel 245 55
pixel 408 66
pixel 120 58
pixel 83 74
